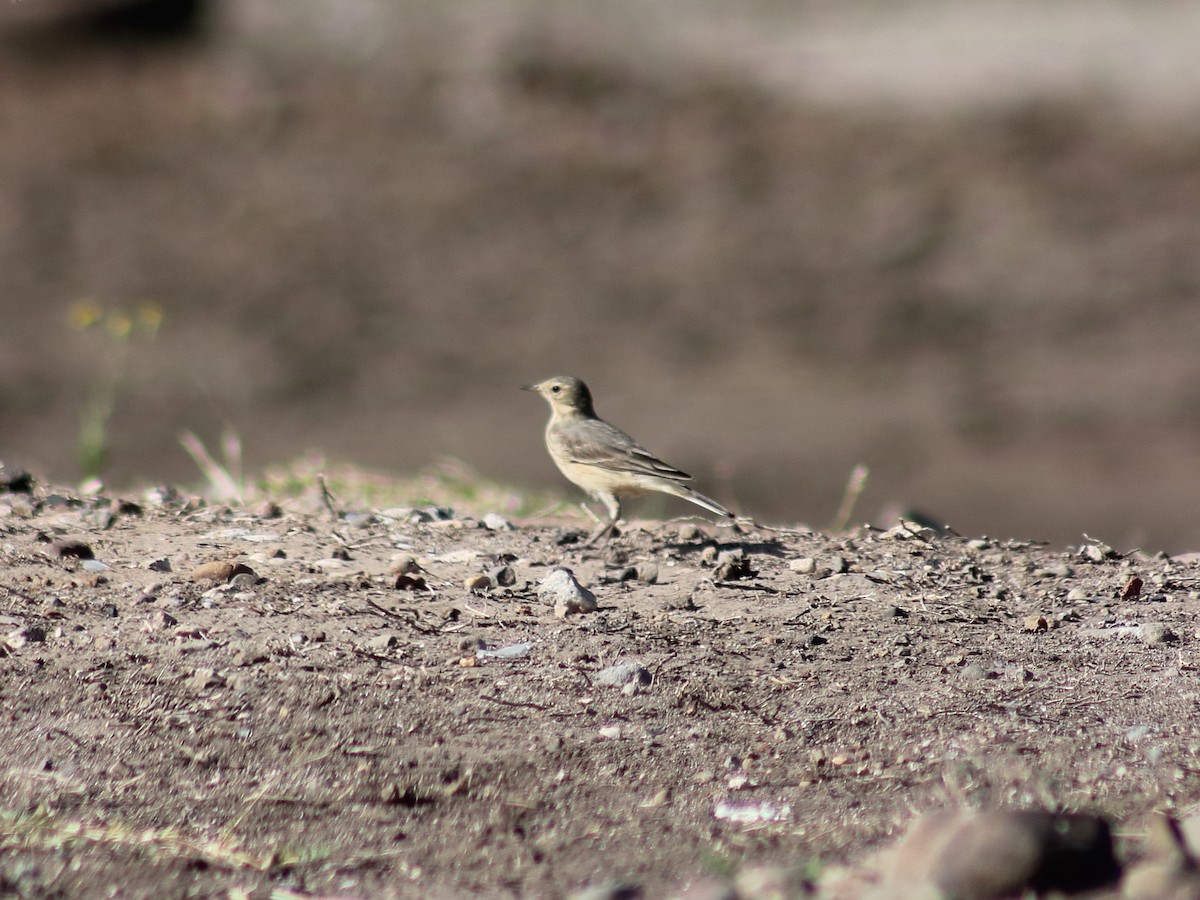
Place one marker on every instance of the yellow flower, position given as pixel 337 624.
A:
pixel 85 313
pixel 149 317
pixel 119 324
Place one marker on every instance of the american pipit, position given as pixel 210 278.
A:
pixel 601 458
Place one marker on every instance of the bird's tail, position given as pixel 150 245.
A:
pixel 699 499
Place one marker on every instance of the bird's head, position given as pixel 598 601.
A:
pixel 566 395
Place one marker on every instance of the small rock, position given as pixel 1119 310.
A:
pixel 381 643
pixel 1132 589
pixel 773 883
pixel 512 651
pixel 203 679
pixel 503 576
pixel 805 565
pixel 568 596
pixel 478 583
pixel 73 550
pixel 611 732
pixel 622 674
pixel 839 564
pixel 15 481
pixel 26 634
pixel 243 581
pixel 998 854
pixel 647 572
pixel 496 522
pixel 267 509
pixel 688 532
pixel 404 564
pixel 406 582
pixel 732 565
pixel 1156 633
pixel 162 564
pixel 160 619
pixel 1078 594
pixel 612 890
pixel 1035 624
pixel 220 571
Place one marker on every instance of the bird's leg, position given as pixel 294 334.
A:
pixel 613 503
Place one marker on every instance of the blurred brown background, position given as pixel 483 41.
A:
pixel 957 242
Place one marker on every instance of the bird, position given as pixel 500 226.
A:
pixel 602 459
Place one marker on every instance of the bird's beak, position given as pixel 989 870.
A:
pixel 531 387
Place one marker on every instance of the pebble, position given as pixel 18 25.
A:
pixel 496 522
pixel 1035 623
pixel 568 596
pixel 996 854
pixel 503 576
pixel 732 565
pixel 622 674
pixel 1078 594
pixel 512 651
pixel 478 583
pixel 688 532
pixel 162 564
pixel 202 679
pixel 381 643
pixel 73 550
pixel 647 572
pixel 1156 633
pixel 610 890
pixel 805 565
pixel 220 571
pixel 27 634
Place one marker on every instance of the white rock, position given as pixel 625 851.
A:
pixel 568 595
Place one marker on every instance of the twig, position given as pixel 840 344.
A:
pixel 855 485
pixel 513 703
pixel 327 498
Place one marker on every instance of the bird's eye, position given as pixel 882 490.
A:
pixel 555 389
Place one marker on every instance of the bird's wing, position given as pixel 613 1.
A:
pixel 596 443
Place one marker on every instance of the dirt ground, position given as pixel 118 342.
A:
pixel 312 727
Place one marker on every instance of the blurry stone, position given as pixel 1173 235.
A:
pixel 243 581
pixel 73 550
pixel 381 643
pixel 478 583
pixel 1168 870
pixel 404 564
pixel 162 564
pixel 503 576
pixel 405 582
pixel 496 522
pixel 15 481
pixel 1132 589
pixel 732 565
pixel 997 854
pixel 1035 623
pixel 805 565
pixel 772 883
pixel 647 572
pixel 688 532
pixel 568 596
pixel 267 509
pixel 160 619
pixel 621 675
pixel 1156 633
pixel 26 634
pixel 203 679
pixel 612 890
pixel 839 565
pixel 220 571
